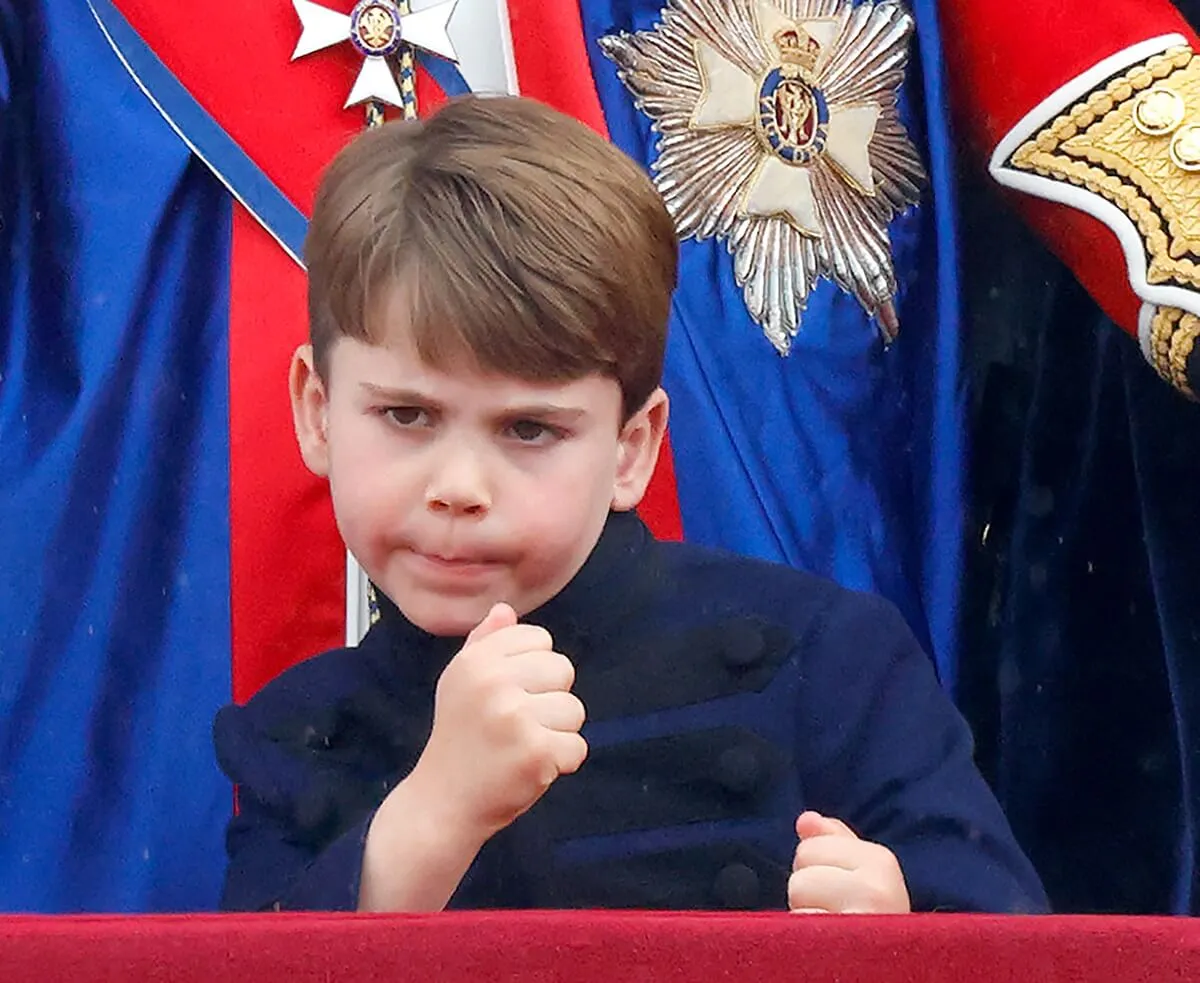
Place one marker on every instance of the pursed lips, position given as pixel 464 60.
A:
pixel 461 562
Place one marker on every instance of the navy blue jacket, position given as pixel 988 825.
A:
pixel 724 697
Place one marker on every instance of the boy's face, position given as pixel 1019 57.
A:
pixel 457 489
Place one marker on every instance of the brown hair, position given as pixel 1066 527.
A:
pixel 515 235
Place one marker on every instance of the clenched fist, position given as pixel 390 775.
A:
pixel 505 726
pixel 834 871
pixel 505 723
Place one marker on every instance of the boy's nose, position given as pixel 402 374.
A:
pixel 458 486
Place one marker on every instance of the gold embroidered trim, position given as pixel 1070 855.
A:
pixel 1173 335
pixel 1098 145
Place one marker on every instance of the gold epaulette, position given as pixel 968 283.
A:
pixel 1134 140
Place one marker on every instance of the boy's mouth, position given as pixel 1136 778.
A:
pixel 463 563
pixel 457 561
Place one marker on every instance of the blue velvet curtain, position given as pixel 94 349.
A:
pixel 114 573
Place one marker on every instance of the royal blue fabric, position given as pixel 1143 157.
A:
pixel 114 488
pixel 845 458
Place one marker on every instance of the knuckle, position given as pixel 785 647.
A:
pixel 504 716
pixel 566 669
pixel 881 857
pixel 537 776
pixel 533 637
pixel 486 683
pixel 810 853
pixel 579 711
pixel 574 755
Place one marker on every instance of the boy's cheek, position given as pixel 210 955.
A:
pixel 359 521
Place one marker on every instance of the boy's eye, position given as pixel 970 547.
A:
pixel 531 432
pixel 407 416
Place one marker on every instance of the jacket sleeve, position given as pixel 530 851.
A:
pixel 1089 114
pixel 297 839
pixel 888 753
pixel 269 869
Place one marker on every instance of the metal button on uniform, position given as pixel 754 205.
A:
pixel 737 886
pixel 738 768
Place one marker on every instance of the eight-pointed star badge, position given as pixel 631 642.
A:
pixel 779 134
pixel 377 29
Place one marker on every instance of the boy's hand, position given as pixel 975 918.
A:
pixel 835 871
pixel 505 725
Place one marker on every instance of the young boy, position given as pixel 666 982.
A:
pixel 488 299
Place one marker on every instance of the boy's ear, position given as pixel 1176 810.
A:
pixel 638 446
pixel 309 411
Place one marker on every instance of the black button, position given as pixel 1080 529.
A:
pixel 736 886
pixel 739 769
pixel 742 645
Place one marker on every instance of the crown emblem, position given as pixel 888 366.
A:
pixel 797 48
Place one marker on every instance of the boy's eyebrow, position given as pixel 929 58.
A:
pixel 403 397
pixel 411 397
pixel 563 413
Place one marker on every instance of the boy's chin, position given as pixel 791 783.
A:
pixel 453 618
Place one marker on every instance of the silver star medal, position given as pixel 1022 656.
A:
pixel 779 134
pixel 378 29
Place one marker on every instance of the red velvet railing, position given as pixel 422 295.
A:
pixel 598 947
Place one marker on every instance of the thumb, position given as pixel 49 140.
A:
pixel 810 824
pixel 500 616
